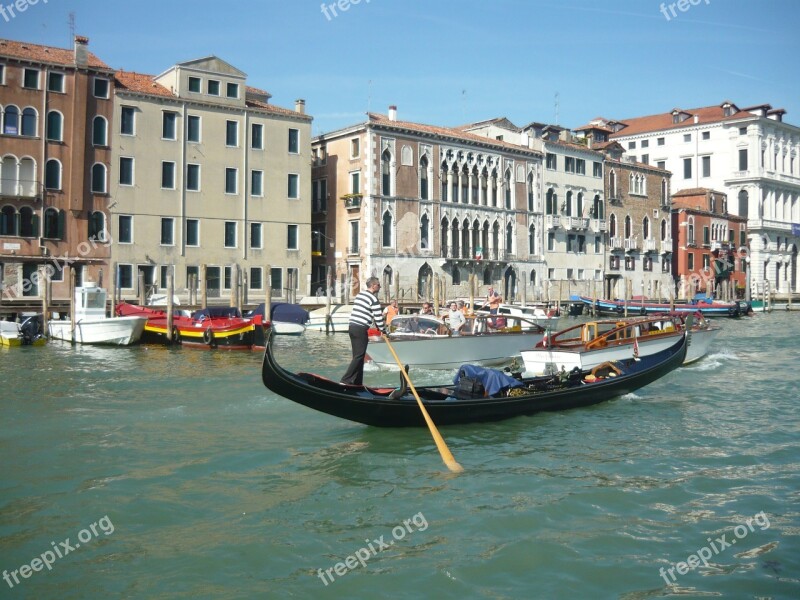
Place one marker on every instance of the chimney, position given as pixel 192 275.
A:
pixel 697 118
pixel 81 51
pixel 393 113
pixel 300 106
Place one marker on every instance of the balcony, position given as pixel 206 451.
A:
pixel 649 245
pixel 576 223
pixel 510 256
pixel 353 250
pixel 631 244
pixel 552 221
pixel 615 243
pixel 599 225
pixel 666 246
pixel 352 201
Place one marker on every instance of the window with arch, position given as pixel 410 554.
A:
pixel 99 131
pixel 663 230
pixel 551 206
pixel 97 226
pixel 99 178
pixel 663 191
pixel 443 233
pixel 52 174
pixel 54 224
pixel 456 275
pixel 465 239
pixel 28 122
pixel 530 192
pixel 464 180
pixel 690 231
pixel 454 239
pixel 8 221
pixel 28 222
pixel 386 173
pixel 55 126
pixel 612 225
pixel 612 183
pixel 11 120
pixel 579 207
pixel 507 183
pixel 633 184
pixel 443 179
pixel 424 232
pixel 597 207
pixel 532 239
pixel 568 204
pixel 423 178
pixel 454 184
pixel 628 227
pixel 646 228
pixel 509 239
pixel 387 230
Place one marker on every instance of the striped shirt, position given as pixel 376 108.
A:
pixel 366 308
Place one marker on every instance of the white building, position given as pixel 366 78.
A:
pixel 750 154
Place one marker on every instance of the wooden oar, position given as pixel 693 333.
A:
pixel 447 456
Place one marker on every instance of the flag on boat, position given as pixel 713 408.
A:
pixel 546 338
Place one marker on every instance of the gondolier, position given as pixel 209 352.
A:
pixel 366 310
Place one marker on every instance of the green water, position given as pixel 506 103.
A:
pixel 218 489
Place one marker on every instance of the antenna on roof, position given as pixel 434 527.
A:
pixel 369 95
pixel 71 29
pixel 464 105
pixel 557 104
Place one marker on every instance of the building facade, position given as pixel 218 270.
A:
pixel 639 228
pixel 710 244
pixel 212 184
pixel 751 155
pixel 405 201
pixel 56 107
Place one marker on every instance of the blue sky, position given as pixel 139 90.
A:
pixel 447 62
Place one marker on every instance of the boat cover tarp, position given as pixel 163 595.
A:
pixel 284 312
pixel 493 381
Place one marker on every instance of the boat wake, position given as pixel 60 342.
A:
pixel 713 361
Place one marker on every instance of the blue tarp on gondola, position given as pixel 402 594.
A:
pixel 493 381
pixel 284 312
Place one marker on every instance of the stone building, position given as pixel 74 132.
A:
pixel 406 201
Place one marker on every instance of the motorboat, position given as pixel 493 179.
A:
pixel 589 344
pixel 427 342
pixel 13 334
pixel 708 307
pixel 539 314
pixel 92 325
pixel 337 320
pixel 285 318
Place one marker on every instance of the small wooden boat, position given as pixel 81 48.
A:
pixel 638 306
pixel 92 326
pixel 452 404
pixel 589 344
pixel 214 327
pixel 427 342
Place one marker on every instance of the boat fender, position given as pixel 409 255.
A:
pixel 208 337
pixel 643 311
pixel 176 335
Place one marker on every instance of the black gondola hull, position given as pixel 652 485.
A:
pixel 372 406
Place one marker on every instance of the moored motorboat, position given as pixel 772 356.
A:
pixel 92 326
pixel 208 328
pixel 335 320
pixel 640 306
pixel 285 318
pixel 451 404
pixel 586 345
pixel 13 334
pixel 427 342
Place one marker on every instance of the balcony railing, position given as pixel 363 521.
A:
pixel 19 188
pixel 649 246
pixel 552 221
pixel 352 201
pixel 666 246
pixel 599 225
pixel 616 243
pixel 353 250
pixel 631 244
pixel 576 223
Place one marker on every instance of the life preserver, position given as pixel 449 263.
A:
pixel 208 337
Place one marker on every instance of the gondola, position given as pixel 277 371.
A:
pixel 448 405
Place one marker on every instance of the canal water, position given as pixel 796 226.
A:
pixel 152 472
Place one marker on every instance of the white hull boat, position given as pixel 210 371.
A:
pixel 591 344
pixel 92 326
pixel 287 328
pixel 534 313
pixel 339 318
pixel 428 343
pixel 116 331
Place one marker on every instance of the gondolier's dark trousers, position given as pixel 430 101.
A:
pixel 359 338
